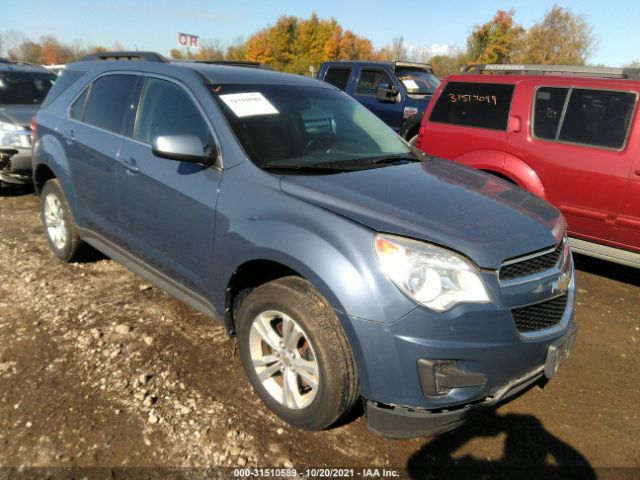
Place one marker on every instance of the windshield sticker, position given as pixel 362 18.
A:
pixel 410 84
pixel 249 104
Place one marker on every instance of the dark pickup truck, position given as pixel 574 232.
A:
pixel 397 92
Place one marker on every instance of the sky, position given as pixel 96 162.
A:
pixel 154 25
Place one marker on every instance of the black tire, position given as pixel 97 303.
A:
pixel 337 387
pixel 72 248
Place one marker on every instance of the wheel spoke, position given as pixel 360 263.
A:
pixel 51 203
pixel 291 343
pixel 308 371
pixel 287 326
pixel 269 372
pixel 289 389
pixel 266 332
pixel 265 361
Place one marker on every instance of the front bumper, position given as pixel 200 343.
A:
pixel 402 422
pixel 15 166
pixel 478 353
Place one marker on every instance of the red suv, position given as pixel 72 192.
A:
pixel 568 134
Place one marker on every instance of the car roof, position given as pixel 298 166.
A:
pixel 380 63
pixel 628 78
pixel 547 79
pixel 7 65
pixel 211 72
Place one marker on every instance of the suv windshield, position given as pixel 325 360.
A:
pixel 18 88
pixel 417 81
pixel 307 127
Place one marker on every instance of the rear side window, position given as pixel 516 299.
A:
pixel 64 81
pixel 596 117
pixel 77 107
pixel 548 108
pixel 338 77
pixel 482 105
pixel 109 102
pixel 166 109
pixel 369 80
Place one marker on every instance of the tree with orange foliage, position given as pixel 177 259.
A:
pixel 496 41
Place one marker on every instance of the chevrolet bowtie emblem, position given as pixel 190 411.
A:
pixel 562 284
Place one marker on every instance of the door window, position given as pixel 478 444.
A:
pixel 109 102
pixel 599 118
pixel 369 80
pixel 596 117
pixel 167 109
pixel 549 104
pixel 338 77
pixel 483 105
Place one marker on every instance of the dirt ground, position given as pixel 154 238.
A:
pixel 105 376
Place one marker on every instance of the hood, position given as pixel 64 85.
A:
pixel 441 202
pixel 19 115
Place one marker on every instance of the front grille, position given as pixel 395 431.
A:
pixel 533 265
pixel 539 316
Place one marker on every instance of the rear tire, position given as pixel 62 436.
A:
pixel 59 224
pixel 296 354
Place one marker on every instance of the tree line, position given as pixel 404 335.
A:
pixel 299 45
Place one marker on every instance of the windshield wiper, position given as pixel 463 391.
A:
pixel 316 167
pixel 387 159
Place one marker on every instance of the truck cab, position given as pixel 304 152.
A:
pixel 397 92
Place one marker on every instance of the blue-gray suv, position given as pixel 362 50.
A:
pixel 350 266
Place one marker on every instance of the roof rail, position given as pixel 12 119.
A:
pixel 133 56
pixel 233 63
pixel 565 70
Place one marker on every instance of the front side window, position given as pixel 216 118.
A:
pixel 166 109
pixel 18 88
pixel 596 117
pixel 338 77
pixel 417 81
pixel 482 105
pixel 369 80
pixel 285 126
pixel 109 102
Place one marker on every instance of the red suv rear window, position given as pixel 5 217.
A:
pixel 480 105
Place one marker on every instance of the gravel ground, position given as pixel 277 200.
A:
pixel 106 376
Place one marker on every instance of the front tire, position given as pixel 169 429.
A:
pixel 296 354
pixel 59 224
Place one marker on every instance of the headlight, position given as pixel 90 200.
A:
pixel 433 276
pixel 12 137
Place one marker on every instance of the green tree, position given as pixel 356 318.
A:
pixel 560 37
pixel 496 41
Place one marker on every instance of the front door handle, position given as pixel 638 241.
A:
pixel 131 165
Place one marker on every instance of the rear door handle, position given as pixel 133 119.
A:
pixel 69 136
pixel 131 165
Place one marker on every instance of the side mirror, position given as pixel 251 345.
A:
pixel 183 148
pixel 387 93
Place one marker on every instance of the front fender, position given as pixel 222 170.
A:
pixel 341 264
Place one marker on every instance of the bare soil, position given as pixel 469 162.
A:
pixel 99 369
